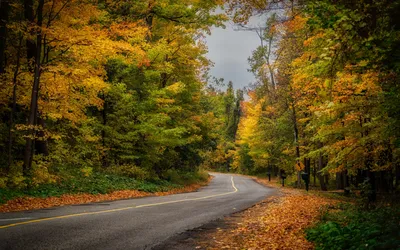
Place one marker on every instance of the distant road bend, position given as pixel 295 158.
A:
pixel 140 223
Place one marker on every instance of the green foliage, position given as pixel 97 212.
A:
pixel 224 111
pixel 130 171
pixel 244 164
pixel 352 228
pixel 126 101
pixel 185 178
pixel 100 182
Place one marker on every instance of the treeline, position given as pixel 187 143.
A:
pixel 225 108
pixel 89 85
pixel 326 100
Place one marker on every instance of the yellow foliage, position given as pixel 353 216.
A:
pixel 176 88
pixel 3 182
pixel 87 171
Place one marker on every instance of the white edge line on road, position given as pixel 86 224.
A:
pixel 12 219
pixel 118 209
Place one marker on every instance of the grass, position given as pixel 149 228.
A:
pixel 348 226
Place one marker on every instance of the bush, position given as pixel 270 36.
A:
pixel 40 172
pixel 352 228
pixel 185 178
pixel 15 178
pixel 131 171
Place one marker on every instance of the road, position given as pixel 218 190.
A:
pixel 140 223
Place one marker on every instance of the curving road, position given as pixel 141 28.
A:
pixel 128 224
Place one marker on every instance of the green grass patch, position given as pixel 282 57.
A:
pixel 349 227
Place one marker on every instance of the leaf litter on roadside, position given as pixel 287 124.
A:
pixel 30 203
pixel 276 223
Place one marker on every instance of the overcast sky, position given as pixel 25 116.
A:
pixel 229 50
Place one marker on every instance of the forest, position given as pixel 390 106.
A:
pixel 104 87
pixel 100 94
pixel 103 96
pixel 326 100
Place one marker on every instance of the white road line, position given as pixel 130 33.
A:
pixel 235 190
pixel 13 219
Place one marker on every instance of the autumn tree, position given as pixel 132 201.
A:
pixel 110 84
pixel 335 80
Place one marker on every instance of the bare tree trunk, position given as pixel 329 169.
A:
pixel 270 69
pixel 35 92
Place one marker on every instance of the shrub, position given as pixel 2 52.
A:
pixel 87 171
pixel 352 228
pixel 185 178
pixel 131 171
pixel 3 182
pixel 40 172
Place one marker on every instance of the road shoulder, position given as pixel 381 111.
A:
pixel 277 222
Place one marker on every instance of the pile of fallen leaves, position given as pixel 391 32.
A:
pixel 30 203
pixel 276 223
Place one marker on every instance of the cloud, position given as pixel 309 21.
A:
pixel 229 50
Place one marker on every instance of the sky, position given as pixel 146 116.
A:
pixel 229 49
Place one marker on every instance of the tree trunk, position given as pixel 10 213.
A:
pixel 315 172
pixel 326 180
pixel 320 167
pixel 270 69
pixel 4 9
pixel 339 181
pixel 103 133
pixel 296 141
pixel 372 181
pixel 41 145
pixel 14 104
pixel 28 155
pixel 30 45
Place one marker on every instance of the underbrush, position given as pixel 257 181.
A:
pixel 347 226
pixel 185 178
pixel 100 182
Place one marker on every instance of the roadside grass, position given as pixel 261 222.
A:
pixel 349 226
pixel 100 183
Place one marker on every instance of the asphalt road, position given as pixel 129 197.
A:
pixel 128 224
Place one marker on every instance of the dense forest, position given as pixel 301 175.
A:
pixel 113 99
pixel 326 101
pixel 116 86
pixel 122 87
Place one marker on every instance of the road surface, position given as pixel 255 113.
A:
pixel 140 223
